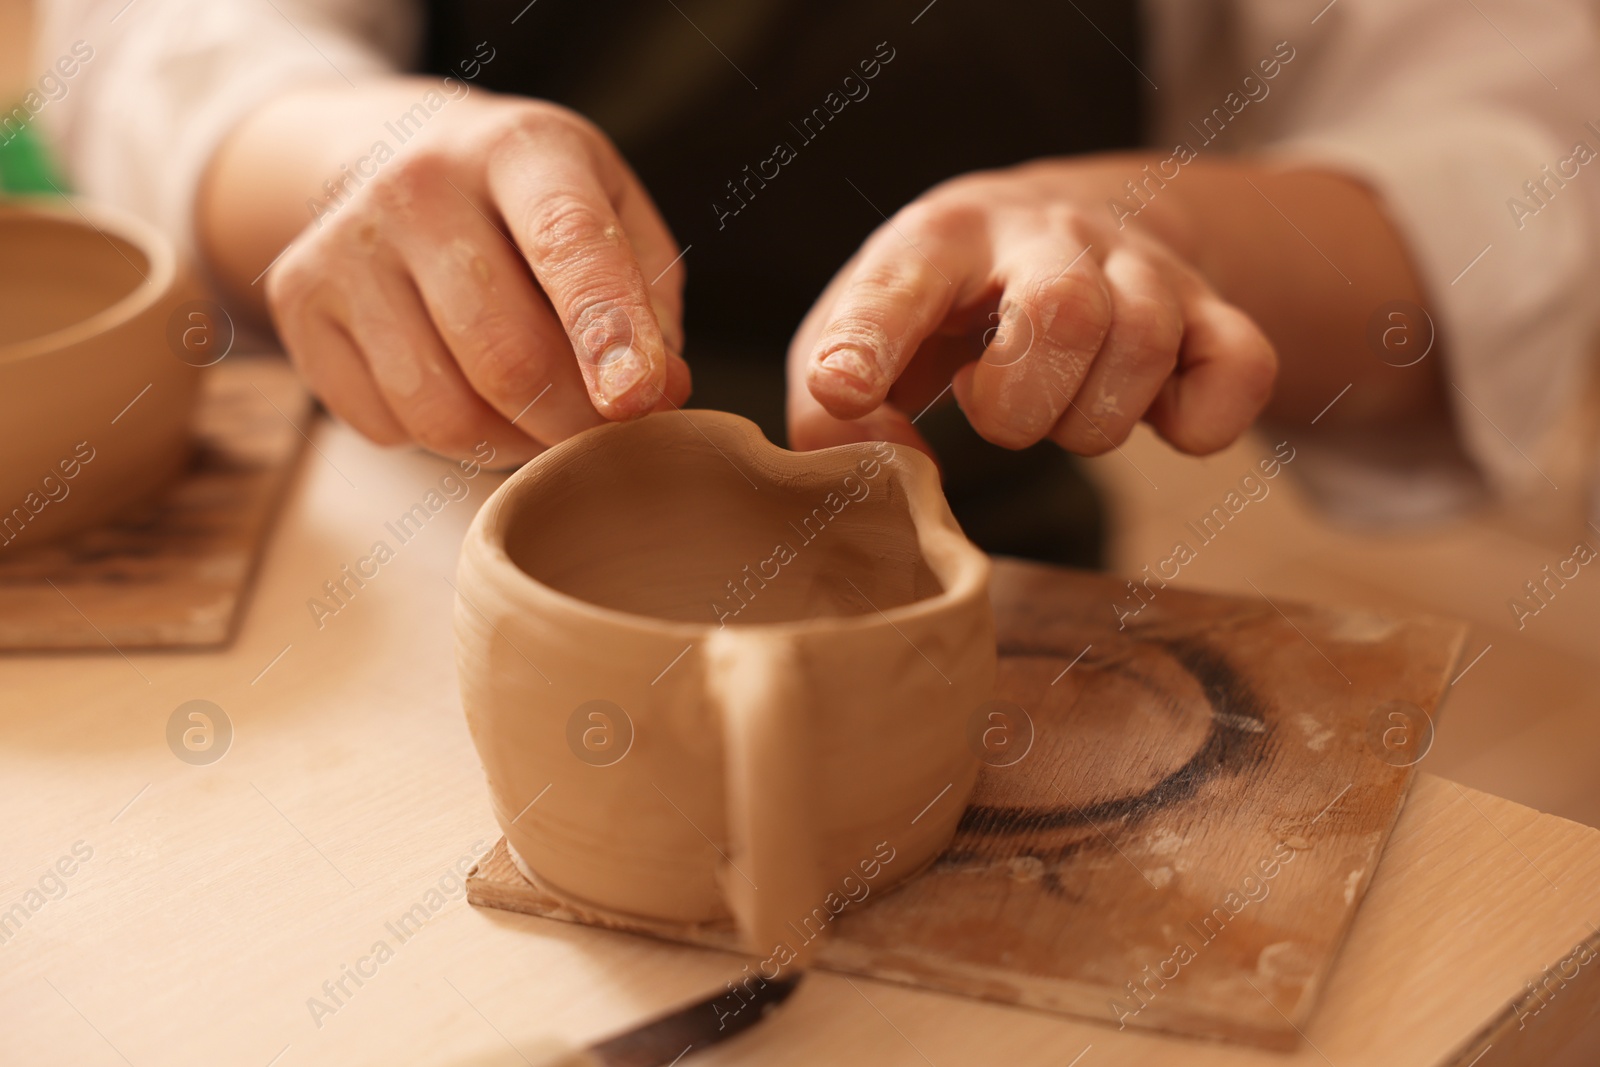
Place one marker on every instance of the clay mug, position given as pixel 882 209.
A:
pixel 710 678
pixel 95 405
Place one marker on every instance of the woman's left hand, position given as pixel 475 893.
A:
pixel 1019 291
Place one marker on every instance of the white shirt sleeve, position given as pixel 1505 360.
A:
pixel 168 79
pixel 1448 109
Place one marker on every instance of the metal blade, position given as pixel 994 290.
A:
pixel 668 1038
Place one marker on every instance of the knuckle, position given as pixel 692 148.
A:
pixel 1064 217
pixel 445 429
pixel 379 430
pixel 304 360
pixel 538 128
pixel 538 120
pixel 859 325
pixel 884 282
pixel 1261 364
pixel 1251 360
pixel 969 186
pixel 1148 336
pixel 1085 442
pixel 566 228
pixel 413 177
pixel 1142 362
pixel 1086 436
pixel 1259 376
pixel 503 368
pixel 1113 431
pixel 1000 428
pixel 1075 307
pixel 1199 441
pixel 1157 323
pixel 945 216
pixel 290 283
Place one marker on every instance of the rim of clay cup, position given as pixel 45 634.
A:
pixel 160 275
pixel 961 567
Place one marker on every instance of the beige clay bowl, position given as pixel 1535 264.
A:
pixel 94 405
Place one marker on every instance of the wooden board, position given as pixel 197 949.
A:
pixel 1179 826
pixel 175 572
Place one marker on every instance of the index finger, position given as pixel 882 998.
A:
pixel 897 295
pixel 556 189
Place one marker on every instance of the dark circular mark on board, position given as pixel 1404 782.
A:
pixel 1238 739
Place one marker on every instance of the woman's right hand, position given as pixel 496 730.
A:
pixel 501 277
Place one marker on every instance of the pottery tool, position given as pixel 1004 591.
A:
pixel 173 573
pixel 676 1035
pixel 1179 824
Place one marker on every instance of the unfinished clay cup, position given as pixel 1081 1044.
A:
pixel 94 405
pixel 708 677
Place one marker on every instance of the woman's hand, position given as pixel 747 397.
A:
pixel 1019 290
pixel 502 278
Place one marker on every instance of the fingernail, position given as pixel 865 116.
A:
pixel 852 364
pixel 622 368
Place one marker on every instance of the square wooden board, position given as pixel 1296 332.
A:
pixel 175 572
pixel 1178 820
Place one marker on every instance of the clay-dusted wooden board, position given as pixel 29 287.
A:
pixel 1186 840
pixel 175 573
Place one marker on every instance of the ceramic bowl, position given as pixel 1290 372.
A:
pixel 95 406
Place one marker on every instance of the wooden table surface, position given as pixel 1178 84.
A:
pixel 213 911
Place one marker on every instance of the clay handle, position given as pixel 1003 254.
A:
pixel 757 683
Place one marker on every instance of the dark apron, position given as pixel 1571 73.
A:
pixel 770 153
